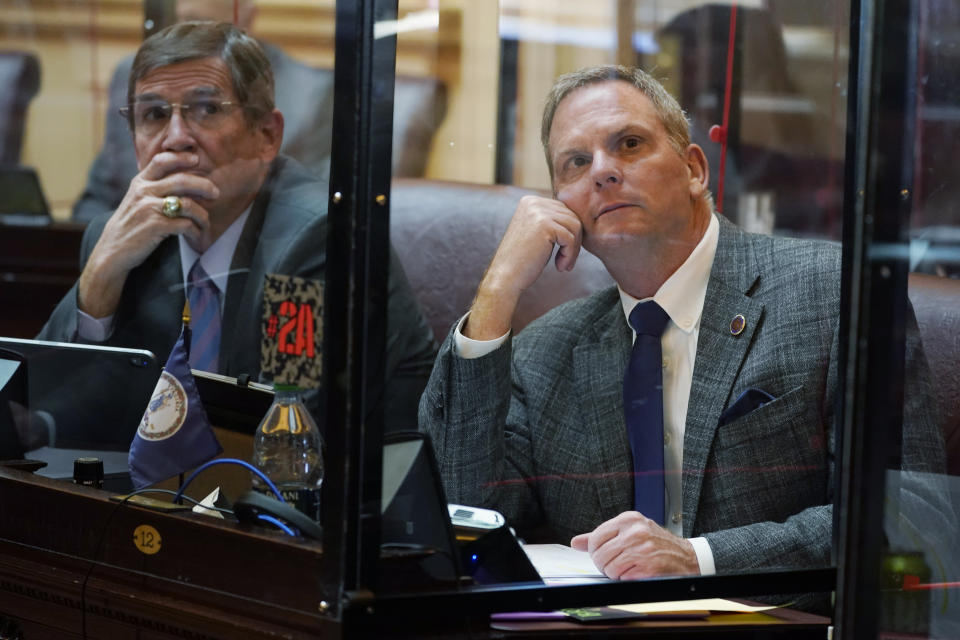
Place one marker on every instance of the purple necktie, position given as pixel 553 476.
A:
pixel 643 409
pixel 204 319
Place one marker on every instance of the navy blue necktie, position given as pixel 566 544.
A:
pixel 643 409
pixel 204 319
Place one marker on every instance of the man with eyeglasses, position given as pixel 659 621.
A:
pixel 214 205
pixel 302 93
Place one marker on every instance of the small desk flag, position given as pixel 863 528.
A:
pixel 174 434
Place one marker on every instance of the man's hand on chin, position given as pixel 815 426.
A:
pixel 632 546
pixel 138 226
pixel 537 227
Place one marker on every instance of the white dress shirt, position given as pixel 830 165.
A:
pixel 215 260
pixel 682 297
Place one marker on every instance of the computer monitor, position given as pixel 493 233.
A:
pixel 415 515
pixel 413 506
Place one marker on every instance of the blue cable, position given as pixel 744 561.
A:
pixel 278 523
pixel 242 463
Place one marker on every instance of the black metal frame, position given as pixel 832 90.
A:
pixel 874 281
pixel 413 608
pixel 355 299
pixel 877 208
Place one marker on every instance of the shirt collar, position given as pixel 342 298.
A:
pixel 217 258
pixel 682 295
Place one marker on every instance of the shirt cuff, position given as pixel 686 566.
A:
pixel 704 556
pixel 93 329
pixel 469 348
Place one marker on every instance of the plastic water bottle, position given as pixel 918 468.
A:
pixel 288 448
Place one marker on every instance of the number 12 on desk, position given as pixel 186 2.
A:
pixel 146 539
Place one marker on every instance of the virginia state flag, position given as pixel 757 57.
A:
pixel 174 434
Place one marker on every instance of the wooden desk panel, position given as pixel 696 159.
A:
pixel 211 579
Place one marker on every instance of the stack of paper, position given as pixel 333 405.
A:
pixel 560 564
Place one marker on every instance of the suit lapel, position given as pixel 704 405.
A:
pixel 599 362
pixel 159 285
pixel 236 303
pixel 720 355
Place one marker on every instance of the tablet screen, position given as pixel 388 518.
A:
pixel 21 192
pixel 92 397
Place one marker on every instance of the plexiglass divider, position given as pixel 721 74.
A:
pixel 472 603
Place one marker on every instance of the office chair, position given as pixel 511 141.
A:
pixel 19 83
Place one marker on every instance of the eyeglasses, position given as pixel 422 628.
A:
pixel 152 116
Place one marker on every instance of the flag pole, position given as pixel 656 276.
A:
pixel 185 320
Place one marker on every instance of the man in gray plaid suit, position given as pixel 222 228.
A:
pixel 533 425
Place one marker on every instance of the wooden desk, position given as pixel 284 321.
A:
pixel 207 579
pixel 38 265
pixel 210 579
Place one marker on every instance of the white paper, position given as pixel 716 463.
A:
pixel 716 605
pixel 558 561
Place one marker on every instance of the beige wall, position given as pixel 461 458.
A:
pixel 77 47
pixel 463 148
pixel 79 43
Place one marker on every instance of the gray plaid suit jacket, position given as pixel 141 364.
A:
pixel 536 428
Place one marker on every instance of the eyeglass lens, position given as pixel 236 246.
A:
pixel 153 115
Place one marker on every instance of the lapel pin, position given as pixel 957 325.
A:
pixel 738 324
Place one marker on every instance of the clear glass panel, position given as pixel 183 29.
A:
pixel 446 96
pixel 568 466
pixel 786 123
pixel 69 67
pixel 920 570
pixel 213 140
pixel 936 215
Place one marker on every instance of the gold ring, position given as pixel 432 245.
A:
pixel 171 207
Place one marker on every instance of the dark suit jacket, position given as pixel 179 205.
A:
pixel 286 233
pixel 536 429
pixel 303 94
